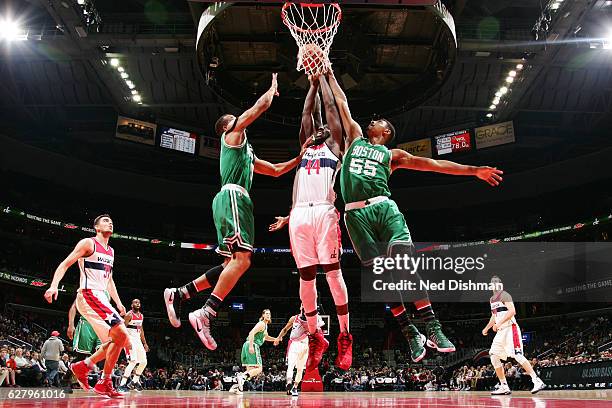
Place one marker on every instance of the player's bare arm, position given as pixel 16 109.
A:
pixel 286 328
pixel 352 128
pixel 333 117
pixel 279 224
pixel 127 318
pixel 307 127
pixel 112 290
pixel 485 331
pixel 83 248
pixel 236 136
pixel 401 159
pixel 71 316
pixel 143 340
pixel 278 169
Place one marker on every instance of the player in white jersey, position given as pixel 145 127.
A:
pixel 314 230
pixel 507 341
pixel 137 353
pixel 297 349
pixel 96 258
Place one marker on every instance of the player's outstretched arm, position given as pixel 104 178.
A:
pixel 401 159
pixel 235 137
pixel 279 224
pixel 85 247
pixel 352 128
pixel 331 113
pixel 278 169
pixel 307 127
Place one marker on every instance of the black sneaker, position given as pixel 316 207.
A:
pixel 137 386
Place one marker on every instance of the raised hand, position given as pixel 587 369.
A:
pixel 51 294
pixel 275 84
pixel 490 174
pixel 279 224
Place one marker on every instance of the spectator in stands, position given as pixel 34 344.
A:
pixel 25 373
pixel 51 354
pixel 4 370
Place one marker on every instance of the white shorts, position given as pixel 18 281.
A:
pixel 95 307
pixel 507 342
pixel 314 232
pixel 137 352
pixel 297 356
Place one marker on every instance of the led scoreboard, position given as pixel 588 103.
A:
pixel 452 142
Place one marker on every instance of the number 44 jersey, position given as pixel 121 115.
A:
pixel 316 176
pixel 365 171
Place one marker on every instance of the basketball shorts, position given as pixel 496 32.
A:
pixel 85 340
pixel 137 352
pixel 375 228
pixel 234 222
pixel 314 233
pixel 248 359
pixel 297 356
pixel 507 342
pixel 95 307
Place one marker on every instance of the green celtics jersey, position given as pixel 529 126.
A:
pixel 260 337
pixel 365 171
pixel 237 163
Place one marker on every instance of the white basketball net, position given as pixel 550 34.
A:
pixel 312 26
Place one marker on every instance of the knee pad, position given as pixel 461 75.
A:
pixel 520 359
pixel 496 361
pixel 212 275
pixel 309 273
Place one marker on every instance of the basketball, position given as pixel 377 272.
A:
pixel 312 57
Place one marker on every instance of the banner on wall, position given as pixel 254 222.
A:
pixel 135 130
pixel 494 135
pixel 421 147
pixel 586 375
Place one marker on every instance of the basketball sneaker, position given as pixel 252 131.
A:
pixel 200 321
pixel 104 387
pixel 289 388
pixel 170 297
pixel 81 373
pixel 294 392
pixel 317 344
pixel 503 389
pixel 137 386
pixel 344 360
pixel 538 385
pixel 436 339
pixel 123 389
pixel 416 341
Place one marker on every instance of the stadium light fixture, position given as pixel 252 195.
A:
pixel 503 90
pixel 496 101
pixel 489 115
pixel 114 62
pixel 80 2
pixel 137 98
pixel 512 73
pixel 519 66
pixel 493 106
pixel 509 79
pixel 498 94
pixel 124 75
pixel 9 30
pixel 130 84
pixel 120 69
pixel 134 92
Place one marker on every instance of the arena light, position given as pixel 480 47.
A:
pixel 137 98
pixel 509 79
pixel 114 62
pixel 124 75
pixel 503 90
pixel 134 92
pixel 9 30
pixel 519 66
pixel 130 84
pixel 512 73
pixel 496 100
pixel 120 69
pixel 498 94
pixel 489 115
pixel 493 106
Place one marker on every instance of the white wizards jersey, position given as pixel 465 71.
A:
pixel 315 176
pixel 135 325
pixel 96 269
pixel 299 330
pixel 499 309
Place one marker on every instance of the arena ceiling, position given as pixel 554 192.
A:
pixel 60 73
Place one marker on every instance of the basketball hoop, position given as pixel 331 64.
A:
pixel 313 26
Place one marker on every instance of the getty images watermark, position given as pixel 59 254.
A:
pixel 461 272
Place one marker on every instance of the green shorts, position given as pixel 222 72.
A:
pixel 248 359
pixel 373 229
pixel 233 215
pixel 85 340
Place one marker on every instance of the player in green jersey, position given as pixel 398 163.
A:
pixel 372 218
pixel 233 216
pixel 250 357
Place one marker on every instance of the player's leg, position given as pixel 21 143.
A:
pixel 252 363
pixel 517 343
pixel 130 354
pixel 141 358
pixel 498 352
pixel 292 357
pixel 189 290
pixel 393 229
pixel 233 216
pixel 300 366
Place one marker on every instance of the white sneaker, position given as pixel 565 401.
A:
pixel 503 389
pixel 294 392
pixel 170 296
pixel 200 322
pixel 538 385
pixel 240 378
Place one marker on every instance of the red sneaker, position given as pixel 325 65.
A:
pixel 317 344
pixel 105 387
pixel 81 371
pixel 345 351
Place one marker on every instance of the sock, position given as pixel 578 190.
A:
pixel 337 287
pixel 136 379
pixel 424 309
pixel 504 382
pixel 400 314
pixel 124 381
pixel 212 305
pixel 187 291
pixel 308 295
pixel 88 363
pixel 534 377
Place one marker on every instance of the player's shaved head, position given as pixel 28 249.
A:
pixel 222 122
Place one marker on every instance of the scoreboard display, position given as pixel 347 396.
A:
pixel 453 142
pixel 176 139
